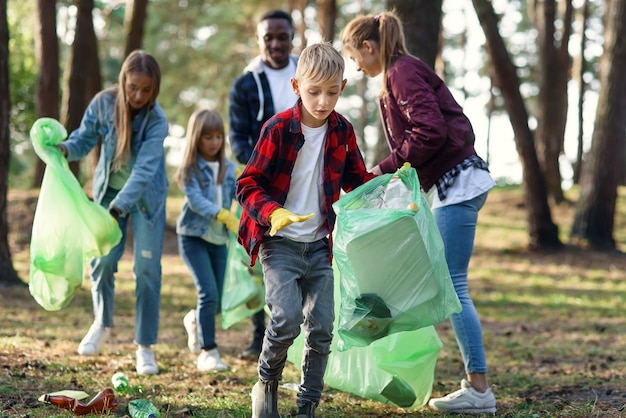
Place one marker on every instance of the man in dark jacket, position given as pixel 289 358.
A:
pixel 263 90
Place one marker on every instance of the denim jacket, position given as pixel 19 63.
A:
pixel 199 206
pixel 146 188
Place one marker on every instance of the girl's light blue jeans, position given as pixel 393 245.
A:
pixel 457 224
pixel 298 290
pixel 147 250
pixel 207 263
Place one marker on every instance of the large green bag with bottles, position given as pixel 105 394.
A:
pixel 395 369
pixel 68 228
pixel 244 290
pixel 394 275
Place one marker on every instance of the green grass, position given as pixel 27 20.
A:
pixel 554 331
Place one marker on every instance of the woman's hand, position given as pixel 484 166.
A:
pixel 376 170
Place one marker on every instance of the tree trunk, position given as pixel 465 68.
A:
pixel 543 232
pixel 422 23
pixel 8 275
pixel 554 69
pixel 604 168
pixel 326 16
pixel 47 53
pixel 79 73
pixel 134 20
pixel 381 151
pixel 421 20
pixel 299 28
pixel 582 68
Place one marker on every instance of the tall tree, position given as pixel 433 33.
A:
pixel 582 84
pixel 82 73
pixel 422 24
pixel 554 74
pixel 8 275
pixel 421 20
pixel 134 21
pixel 543 232
pixel 604 168
pixel 326 16
pixel 47 52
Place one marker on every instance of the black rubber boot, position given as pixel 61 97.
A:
pixel 265 399
pixel 307 411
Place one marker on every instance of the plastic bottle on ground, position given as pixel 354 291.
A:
pixel 120 382
pixel 142 408
pixel 103 401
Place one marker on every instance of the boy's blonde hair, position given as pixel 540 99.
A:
pixel 320 62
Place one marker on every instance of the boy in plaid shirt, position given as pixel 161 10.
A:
pixel 304 157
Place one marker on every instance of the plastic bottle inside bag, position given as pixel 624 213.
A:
pixel 396 195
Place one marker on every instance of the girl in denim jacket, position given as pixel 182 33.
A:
pixel 126 127
pixel 207 178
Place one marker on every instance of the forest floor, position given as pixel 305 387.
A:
pixel 554 330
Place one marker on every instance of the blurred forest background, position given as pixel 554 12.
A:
pixel 545 76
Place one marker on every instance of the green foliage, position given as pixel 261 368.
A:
pixel 22 83
pixel 202 46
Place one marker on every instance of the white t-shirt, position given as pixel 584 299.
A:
pixel 470 183
pixel 306 188
pixel 283 96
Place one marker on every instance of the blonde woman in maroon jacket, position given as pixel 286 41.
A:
pixel 426 127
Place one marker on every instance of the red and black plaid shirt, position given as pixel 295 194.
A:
pixel 264 184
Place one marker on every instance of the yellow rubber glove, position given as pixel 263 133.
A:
pixel 281 218
pixel 228 219
pixel 405 167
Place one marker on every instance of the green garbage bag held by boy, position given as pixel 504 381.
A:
pixel 394 275
pixel 68 228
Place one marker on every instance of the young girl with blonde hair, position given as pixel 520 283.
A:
pixel 126 127
pixel 207 179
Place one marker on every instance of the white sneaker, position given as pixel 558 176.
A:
pixel 93 340
pixel 465 400
pixel 145 360
pixel 210 361
pixel 192 331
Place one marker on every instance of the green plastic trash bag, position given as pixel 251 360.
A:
pixel 68 228
pixel 244 291
pixel 396 369
pixel 394 275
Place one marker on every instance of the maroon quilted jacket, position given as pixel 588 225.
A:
pixel 423 123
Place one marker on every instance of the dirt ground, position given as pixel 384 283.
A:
pixel 20 212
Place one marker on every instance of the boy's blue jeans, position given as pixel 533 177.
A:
pixel 457 224
pixel 148 247
pixel 207 264
pixel 298 290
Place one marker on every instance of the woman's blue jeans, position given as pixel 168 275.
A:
pixel 298 290
pixel 147 250
pixel 207 263
pixel 457 224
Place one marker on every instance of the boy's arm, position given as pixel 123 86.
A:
pixel 258 180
